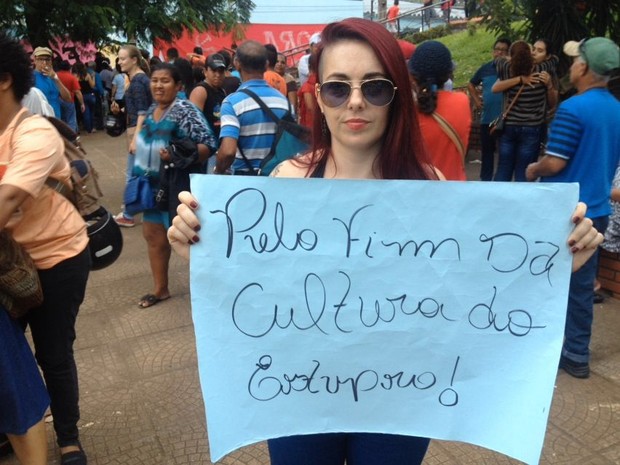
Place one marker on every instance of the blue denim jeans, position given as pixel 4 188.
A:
pixel 518 147
pixel 68 114
pixel 579 316
pixel 488 146
pixel 355 448
pixel 89 112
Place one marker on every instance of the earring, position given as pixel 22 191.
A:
pixel 324 128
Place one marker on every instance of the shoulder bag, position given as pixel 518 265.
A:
pixel 497 125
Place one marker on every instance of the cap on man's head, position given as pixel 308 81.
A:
pixel 315 38
pixel 601 54
pixel 216 62
pixel 42 51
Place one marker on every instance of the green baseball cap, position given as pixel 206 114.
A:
pixel 601 54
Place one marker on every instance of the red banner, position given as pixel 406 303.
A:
pixel 284 36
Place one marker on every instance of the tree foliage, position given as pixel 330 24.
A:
pixel 555 20
pixel 103 20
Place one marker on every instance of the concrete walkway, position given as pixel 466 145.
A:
pixel 140 395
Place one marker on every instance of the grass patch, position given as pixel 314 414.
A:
pixel 470 49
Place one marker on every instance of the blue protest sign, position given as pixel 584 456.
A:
pixel 432 309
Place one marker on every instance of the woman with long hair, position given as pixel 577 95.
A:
pixel 87 87
pixel 365 128
pixel 138 99
pixel 528 86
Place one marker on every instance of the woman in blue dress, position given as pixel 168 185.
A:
pixel 169 119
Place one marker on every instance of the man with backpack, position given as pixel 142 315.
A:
pixel 247 132
pixel 209 94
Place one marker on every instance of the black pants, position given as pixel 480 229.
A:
pixel 53 333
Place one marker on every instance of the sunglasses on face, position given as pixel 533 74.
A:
pixel 378 92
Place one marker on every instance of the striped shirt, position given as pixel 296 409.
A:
pixel 531 106
pixel 243 120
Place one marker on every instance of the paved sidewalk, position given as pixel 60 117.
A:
pixel 140 395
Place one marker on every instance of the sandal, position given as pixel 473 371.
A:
pixel 76 457
pixel 148 300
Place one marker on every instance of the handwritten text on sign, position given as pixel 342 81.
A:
pixel 423 308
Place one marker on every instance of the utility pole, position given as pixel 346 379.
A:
pixel 382 9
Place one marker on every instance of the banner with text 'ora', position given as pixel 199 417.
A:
pixel 431 309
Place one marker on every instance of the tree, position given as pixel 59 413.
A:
pixel 555 20
pixel 102 20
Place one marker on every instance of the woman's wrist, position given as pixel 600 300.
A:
pixel 521 80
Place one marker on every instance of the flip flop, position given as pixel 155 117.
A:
pixel 148 300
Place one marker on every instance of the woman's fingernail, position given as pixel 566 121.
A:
pixel 189 242
pixel 576 219
pixel 572 242
pixel 574 249
pixel 197 228
pixel 193 204
pixel 195 238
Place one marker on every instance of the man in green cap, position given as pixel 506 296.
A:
pixel 584 147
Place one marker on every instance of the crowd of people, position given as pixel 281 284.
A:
pixel 373 115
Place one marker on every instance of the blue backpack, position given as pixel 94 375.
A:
pixel 291 139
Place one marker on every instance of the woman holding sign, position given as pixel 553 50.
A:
pixel 366 129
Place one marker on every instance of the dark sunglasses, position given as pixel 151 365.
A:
pixel 378 92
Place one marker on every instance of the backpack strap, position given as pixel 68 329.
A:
pixel 269 113
pixel 262 104
pixel 450 132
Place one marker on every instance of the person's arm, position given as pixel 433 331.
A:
pixel 615 195
pixel 11 198
pixel 64 92
pixel 310 103
pixel 80 98
pixel 132 144
pixel 473 94
pixel 198 97
pixel 547 166
pixel 502 85
pixel 584 238
pixel 226 154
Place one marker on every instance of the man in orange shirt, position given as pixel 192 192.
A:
pixel 271 76
pixel 392 25
pixel 67 108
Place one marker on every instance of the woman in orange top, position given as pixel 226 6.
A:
pixel 446 141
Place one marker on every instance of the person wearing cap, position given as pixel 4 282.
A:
pixel 209 94
pixel 444 116
pixel 303 67
pixel 247 133
pixel 47 81
pixel 584 147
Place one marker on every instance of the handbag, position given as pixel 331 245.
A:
pixel 139 195
pixel 497 125
pixel 20 287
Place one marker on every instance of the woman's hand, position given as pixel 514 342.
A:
pixel 164 154
pixel 185 225
pixel 584 239
pixel 114 108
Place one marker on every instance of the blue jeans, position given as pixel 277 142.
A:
pixel 518 147
pixel 355 448
pixel 53 332
pixel 89 112
pixel 578 329
pixel 488 145
pixel 68 115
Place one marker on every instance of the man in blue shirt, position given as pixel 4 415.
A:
pixel 584 147
pixel 245 128
pixel 46 80
pixel 491 105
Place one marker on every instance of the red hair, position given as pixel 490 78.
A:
pixel 402 154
